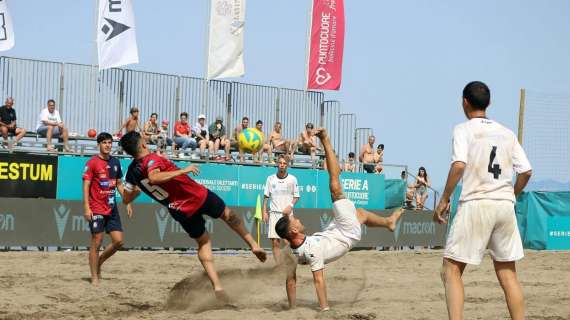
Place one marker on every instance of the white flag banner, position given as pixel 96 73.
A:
pixel 6 29
pixel 116 36
pixel 225 43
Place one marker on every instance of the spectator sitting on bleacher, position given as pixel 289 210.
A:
pixel 307 142
pixel 367 155
pixel 203 137
pixel 277 143
pixel 409 191
pixel 163 140
pixel 132 123
pixel 266 146
pixel 234 141
pixel 217 132
pixel 183 135
pixel 379 159
pixel 151 129
pixel 349 165
pixel 50 125
pixel 8 122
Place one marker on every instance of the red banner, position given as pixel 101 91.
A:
pixel 327 43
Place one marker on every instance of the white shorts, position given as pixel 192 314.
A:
pixel 273 218
pixel 346 221
pixel 481 225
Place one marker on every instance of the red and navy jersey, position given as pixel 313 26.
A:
pixel 181 193
pixel 103 175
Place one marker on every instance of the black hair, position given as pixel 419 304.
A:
pixel 425 172
pixel 185 114
pixel 351 154
pixel 103 136
pixel 381 146
pixel 245 118
pixel 477 94
pixel 259 122
pixel 154 114
pixel 130 143
pixel 51 100
pixel 282 228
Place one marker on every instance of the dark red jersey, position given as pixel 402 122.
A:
pixel 181 193
pixel 103 175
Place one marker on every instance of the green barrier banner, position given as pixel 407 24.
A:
pixel 240 186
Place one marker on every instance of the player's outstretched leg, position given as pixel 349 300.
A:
pixel 507 275
pixel 332 165
pixel 234 222
pixel 372 220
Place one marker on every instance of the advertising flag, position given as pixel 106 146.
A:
pixel 225 42
pixel 6 29
pixel 326 45
pixel 116 36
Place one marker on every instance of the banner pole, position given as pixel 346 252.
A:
pixel 94 63
pixel 258 231
pixel 308 44
pixel 205 91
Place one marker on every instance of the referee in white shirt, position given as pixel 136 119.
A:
pixel 282 192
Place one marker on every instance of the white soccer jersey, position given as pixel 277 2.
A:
pixel 490 152
pixel 280 191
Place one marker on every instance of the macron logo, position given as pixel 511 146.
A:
pixel 61 214
pixel 161 221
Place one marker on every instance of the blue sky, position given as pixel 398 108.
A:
pixel 405 62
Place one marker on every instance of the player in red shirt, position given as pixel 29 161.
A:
pixel 186 200
pixel 101 177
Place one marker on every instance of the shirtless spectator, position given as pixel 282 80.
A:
pixel 266 146
pixel 234 142
pixel 203 137
pixel 8 122
pixel 367 155
pixel 50 125
pixel 409 191
pixel 307 142
pixel 349 165
pixel 151 129
pixel 132 123
pixel 277 142
pixel 218 136
pixel 379 159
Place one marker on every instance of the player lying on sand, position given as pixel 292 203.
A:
pixel 337 239
pixel 187 201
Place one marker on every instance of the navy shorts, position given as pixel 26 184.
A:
pixel 195 225
pixel 108 222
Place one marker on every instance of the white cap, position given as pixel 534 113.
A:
pixel 201 116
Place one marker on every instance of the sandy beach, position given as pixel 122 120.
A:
pixel 362 285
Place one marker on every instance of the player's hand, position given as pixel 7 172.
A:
pixel 287 211
pixel 129 210
pixel 441 212
pixel 192 169
pixel 265 216
pixel 88 214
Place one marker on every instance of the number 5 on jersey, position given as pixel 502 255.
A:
pixel 495 169
pixel 159 193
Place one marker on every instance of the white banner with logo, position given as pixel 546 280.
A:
pixel 116 36
pixel 225 43
pixel 6 28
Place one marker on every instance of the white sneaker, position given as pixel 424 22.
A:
pixel 194 157
pixel 181 156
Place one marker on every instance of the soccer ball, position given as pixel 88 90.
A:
pixel 250 140
pixel 91 133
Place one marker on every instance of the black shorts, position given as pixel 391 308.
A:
pixel 369 168
pixel 106 222
pixel 195 225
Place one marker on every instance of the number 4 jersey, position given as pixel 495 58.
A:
pixel 491 152
pixel 178 194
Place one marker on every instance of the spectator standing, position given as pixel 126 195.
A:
pixel 183 135
pixel 218 136
pixel 203 137
pixel 366 156
pixel 8 122
pixel 282 191
pixel 422 184
pixel 379 159
pixel 51 126
pixel 151 129
pixel 349 165
pixel 131 124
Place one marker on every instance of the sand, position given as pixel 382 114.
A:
pixel 171 285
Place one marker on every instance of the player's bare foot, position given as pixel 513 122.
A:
pixel 222 296
pixel 321 133
pixel 394 218
pixel 95 282
pixel 259 253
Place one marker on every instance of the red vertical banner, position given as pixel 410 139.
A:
pixel 326 45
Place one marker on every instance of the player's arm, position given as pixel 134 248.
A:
pixel 521 182
pixel 361 155
pixel 291 287
pixel 87 213
pixel 455 174
pixel 121 190
pixel 319 281
pixel 265 213
pixel 156 176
